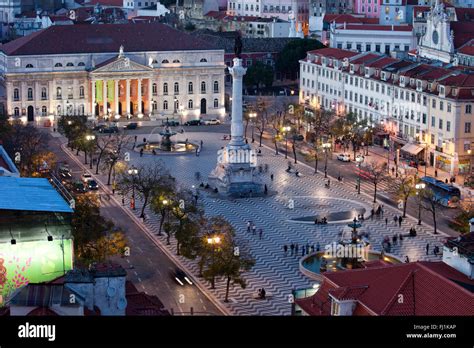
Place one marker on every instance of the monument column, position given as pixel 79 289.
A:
pixel 127 96
pixel 116 97
pixel 139 98
pixel 237 125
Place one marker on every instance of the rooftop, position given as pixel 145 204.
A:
pixel 335 53
pixel 31 194
pixel 102 38
pixel 365 27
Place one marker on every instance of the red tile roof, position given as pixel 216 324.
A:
pixel 139 303
pixel 382 62
pixel 464 14
pixel 365 58
pixel 428 288
pixel 347 18
pixel 379 27
pixel 463 32
pixel 42 312
pixel 82 38
pixel 467 49
pixel 461 80
pixel 335 53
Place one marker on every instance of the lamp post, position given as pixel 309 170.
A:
pixel 286 130
pixel 252 116
pixel 359 161
pixel 213 242
pixel 326 147
pixel 420 137
pixel 419 187
pixel 397 159
pixel 89 138
pixel 133 172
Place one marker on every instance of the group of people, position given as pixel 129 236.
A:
pixel 262 293
pixel 252 228
pixel 323 221
pixel 294 249
pixel 377 211
pixel 435 249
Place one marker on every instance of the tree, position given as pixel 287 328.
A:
pixel 115 152
pixel 160 203
pixel 148 179
pixel 102 144
pixel 259 74
pixel 318 120
pixel 288 60
pixel 429 203
pixel 42 163
pixel 262 118
pixel 349 129
pixel 376 172
pixel 404 188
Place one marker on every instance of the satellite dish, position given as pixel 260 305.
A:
pixel 122 303
pixel 111 291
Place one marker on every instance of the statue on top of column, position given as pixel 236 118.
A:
pixel 238 46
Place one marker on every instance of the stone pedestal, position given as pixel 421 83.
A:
pixel 235 173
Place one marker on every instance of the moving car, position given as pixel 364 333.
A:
pixel 171 123
pixel 86 177
pixel 131 125
pixel 344 157
pixel 109 129
pixel 181 277
pixel 79 187
pixel 64 171
pixel 193 123
pixel 92 185
pixel 212 121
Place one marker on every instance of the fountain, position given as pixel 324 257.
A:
pixel 165 145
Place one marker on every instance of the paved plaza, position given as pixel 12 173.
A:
pixel 277 273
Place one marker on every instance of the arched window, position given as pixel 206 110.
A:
pixel 165 61
pixel 176 105
pixel 176 88
pixel 165 105
pixel 30 93
pixel 190 104
pixel 216 86
pixel 81 91
pixel 203 87
pixel 176 61
pixel 58 65
pixel 154 89
pixel 216 103
pixel 165 88
pixel 16 94
pixel 154 105
pixel 70 109
pixel 44 93
pixel 81 109
pixel 69 64
pixel 59 93
pixel 17 111
pixel 81 64
pixel 70 93
pixel 44 111
pixel 60 110
pixel 190 88
pixel 29 66
pixel 154 61
pixel 203 60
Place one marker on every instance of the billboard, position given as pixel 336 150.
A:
pixel 32 262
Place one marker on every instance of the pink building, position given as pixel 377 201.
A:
pixel 368 8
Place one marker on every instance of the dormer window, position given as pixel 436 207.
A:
pixel 418 85
pixel 324 61
pixel 402 81
pixel 441 90
pixel 352 68
pixel 367 72
pixel 335 308
pixel 384 76
pixel 430 86
pixel 454 91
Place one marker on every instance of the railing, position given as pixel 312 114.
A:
pixel 62 191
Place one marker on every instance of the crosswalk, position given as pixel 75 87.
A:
pixel 277 273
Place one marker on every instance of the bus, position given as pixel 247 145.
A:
pixel 446 195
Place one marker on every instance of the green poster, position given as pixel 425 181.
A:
pixel 98 91
pixel 110 91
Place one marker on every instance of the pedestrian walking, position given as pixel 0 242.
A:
pixel 271 177
pixel 254 229
pixel 296 249
pixel 371 214
pixel 318 246
pixel 260 233
pixel 285 249
pixel 265 189
pixel 407 260
pixel 303 250
pixel 381 210
pixel 292 247
pixel 395 218
pixel 400 219
pixel 307 248
pixel 394 239
pixel 386 222
pixel 312 248
pixel 248 226
pixel 201 142
pixel 141 152
pixel 436 173
pixel 427 248
pixel 123 200
pixel 135 139
pixel 393 170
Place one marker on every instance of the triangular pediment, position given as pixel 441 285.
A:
pixel 120 64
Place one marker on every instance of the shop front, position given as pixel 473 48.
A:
pixel 447 163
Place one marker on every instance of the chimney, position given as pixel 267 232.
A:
pixel 392 27
pixel 344 25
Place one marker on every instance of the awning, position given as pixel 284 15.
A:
pixel 412 148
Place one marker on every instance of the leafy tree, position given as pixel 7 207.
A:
pixel 430 203
pixel 319 124
pixel 115 152
pixel 160 203
pixel 42 163
pixel 288 59
pixel 404 188
pixel 262 118
pixel 259 74
pixel 349 129
pixel 102 144
pixel 377 172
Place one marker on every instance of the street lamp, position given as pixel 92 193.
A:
pixel 286 130
pixel 326 147
pixel 89 138
pixel 213 241
pixel 426 150
pixel 133 172
pixel 419 187
pixel 252 116
pixel 359 161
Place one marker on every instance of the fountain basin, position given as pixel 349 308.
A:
pixel 177 147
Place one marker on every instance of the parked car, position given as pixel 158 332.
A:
pixel 99 127
pixel 79 187
pixel 180 277
pixel 92 185
pixel 193 123
pixel 131 125
pixel 109 129
pixel 344 157
pixel 212 121
pixel 64 171
pixel 85 177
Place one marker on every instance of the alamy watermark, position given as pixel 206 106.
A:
pixel 237 156
pixel 337 250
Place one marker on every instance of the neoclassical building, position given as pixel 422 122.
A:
pixel 112 70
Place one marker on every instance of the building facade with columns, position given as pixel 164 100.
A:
pixel 112 71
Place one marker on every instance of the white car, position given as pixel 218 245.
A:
pixel 212 121
pixel 344 157
pixel 86 177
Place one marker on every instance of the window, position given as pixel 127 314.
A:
pixel 448 126
pixel 203 60
pixel 334 307
pixel 16 94
pixel 81 64
pixel 17 111
pixel 433 103
pixel 44 111
pixel 81 91
pixel 467 127
pixel 154 89
pixel 190 104
pixel 176 88
pixel 81 109
pixel 59 93
pixel 368 47
pixel 69 64
pixel 377 48
pixel 468 109
pixel 432 139
pixel 190 88
pixel 423 118
pixel 433 121
pixel 216 103
pixel 449 107
pixel 165 61
pixel 60 110
pixel 58 65
pixel 176 61
pixel 165 105
pixel 44 94
pixel 203 87
pixel 216 86
pixel 69 93
pixel 165 88
pixel 440 124
pixel 29 66
pixel 441 105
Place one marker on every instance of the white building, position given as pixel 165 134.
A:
pixel 419 104
pixel 110 70
pixel 372 38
